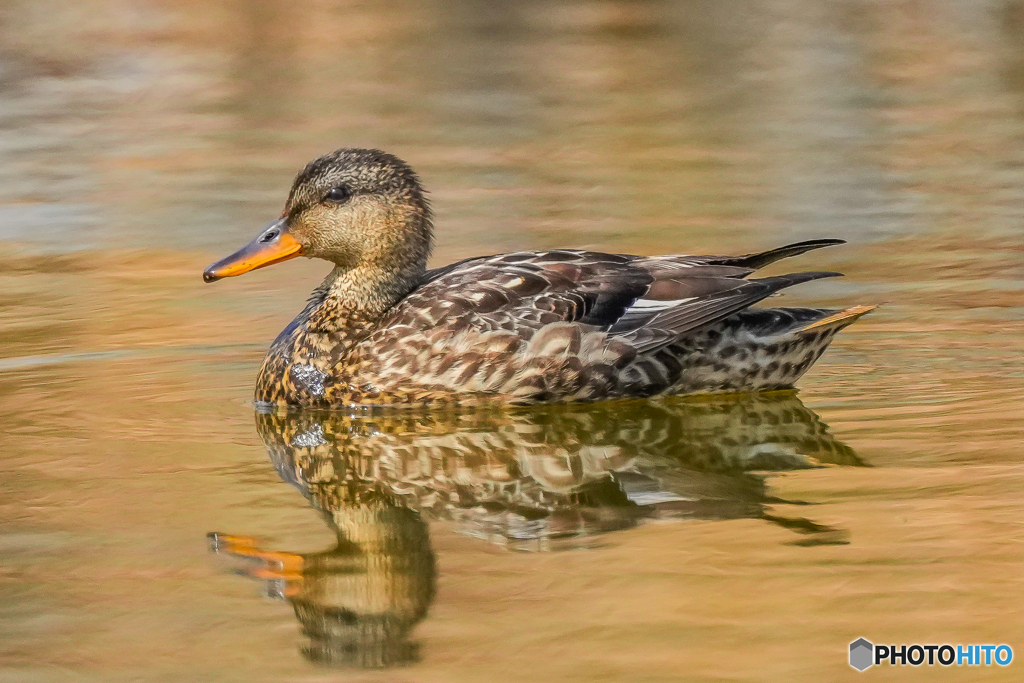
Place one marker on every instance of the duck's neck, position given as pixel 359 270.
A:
pixel 351 301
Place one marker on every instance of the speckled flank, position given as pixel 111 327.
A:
pixel 750 351
pixel 755 350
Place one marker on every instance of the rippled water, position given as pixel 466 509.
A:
pixel 728 539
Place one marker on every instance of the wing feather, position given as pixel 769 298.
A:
pixel 647 302
pixel 690 316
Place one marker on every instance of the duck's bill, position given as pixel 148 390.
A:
pixel 273 245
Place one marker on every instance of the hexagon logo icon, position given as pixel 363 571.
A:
pixel 862 654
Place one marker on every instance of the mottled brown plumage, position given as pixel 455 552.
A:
pixel 520 328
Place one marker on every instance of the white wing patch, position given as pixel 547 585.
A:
pixel 653 306
pixel 644 309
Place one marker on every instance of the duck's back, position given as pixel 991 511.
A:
pixel 567 325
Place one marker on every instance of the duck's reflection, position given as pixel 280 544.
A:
pixel 550 477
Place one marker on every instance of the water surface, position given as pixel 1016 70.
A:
pixel 728 539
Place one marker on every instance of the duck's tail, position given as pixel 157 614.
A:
pixel 839 319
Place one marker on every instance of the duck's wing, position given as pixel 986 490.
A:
pixel 674 307
pixel 750 262
pixel 647 302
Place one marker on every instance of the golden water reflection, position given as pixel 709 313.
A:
pixel 549 478
pixel 143 138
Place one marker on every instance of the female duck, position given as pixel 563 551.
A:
pixel 526 327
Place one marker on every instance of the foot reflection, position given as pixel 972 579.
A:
pixel 551 477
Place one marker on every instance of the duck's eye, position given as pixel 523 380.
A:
pixel 338 195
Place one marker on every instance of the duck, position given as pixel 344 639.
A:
pixel 521 328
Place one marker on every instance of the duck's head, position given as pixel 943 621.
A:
pixel 357 208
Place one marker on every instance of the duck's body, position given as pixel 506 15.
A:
pixel 552 326
pixel 527 327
